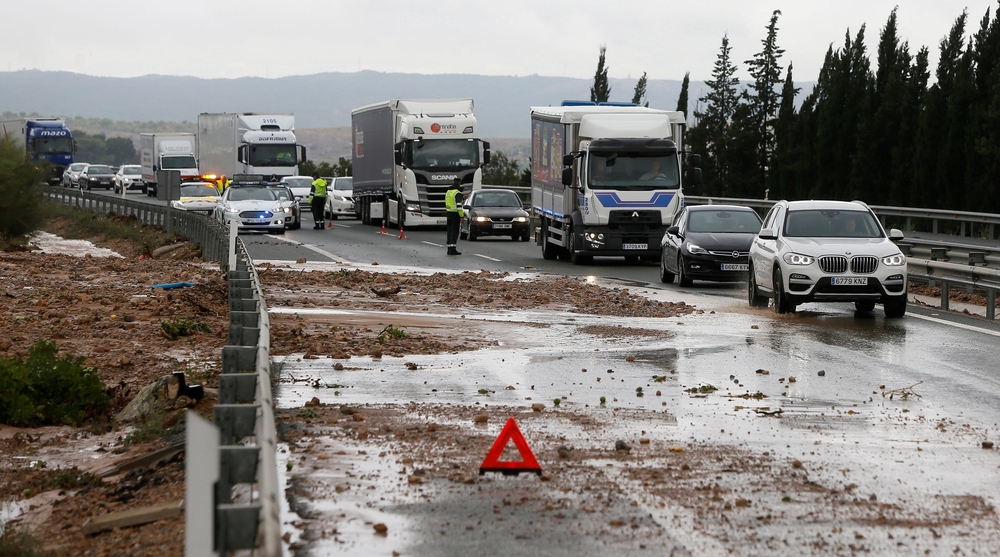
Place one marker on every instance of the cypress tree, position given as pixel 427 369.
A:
pixel 763 101
pixel 712 139
pixel 682 98
pixel 640 91
pixel 601 91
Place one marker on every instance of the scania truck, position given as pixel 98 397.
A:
pixel 46 139
pixel 167 151
pixel 248 143
pixel 408 153
pixel 606 179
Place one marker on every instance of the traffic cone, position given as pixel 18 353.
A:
pixel 383 228
pixel 401 235
pixel 329 224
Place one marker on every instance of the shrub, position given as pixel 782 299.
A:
pixel 44 390
pixel 21 188
pixel 182 327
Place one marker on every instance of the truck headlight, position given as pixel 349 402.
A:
pixel 798 259
pixel 413 207
pixel 894 260
pixel 594 237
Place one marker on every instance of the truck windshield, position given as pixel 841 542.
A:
pixel 178 163
pixel 273 155
pixel 53 145
pixel 444 154
pixel 633 172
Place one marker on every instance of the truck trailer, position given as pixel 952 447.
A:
pixel 167 151
pixel 248 143
pixel 46 139
pixel 406 155
pixel 606 180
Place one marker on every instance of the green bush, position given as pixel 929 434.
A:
pixel 182 327
pixel 44 390
pixel 21 188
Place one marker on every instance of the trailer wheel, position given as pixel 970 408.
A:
pixel 366 212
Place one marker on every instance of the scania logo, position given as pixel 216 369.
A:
pixel 443 176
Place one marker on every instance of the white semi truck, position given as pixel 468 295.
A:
pixel 406 156
pixel 167 151
pixel 606 180
pixel 248 143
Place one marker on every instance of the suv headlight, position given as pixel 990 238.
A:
pixel 695 249
pixel 894 260
pixel 798 259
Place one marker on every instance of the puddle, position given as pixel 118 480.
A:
pixel 52 244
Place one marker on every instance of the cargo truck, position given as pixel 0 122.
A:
pixel 46 139
pixel 248 143
pixel 406 155
pixel 167 151
pixel 606 180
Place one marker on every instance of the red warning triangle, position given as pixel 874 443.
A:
pixel 510 432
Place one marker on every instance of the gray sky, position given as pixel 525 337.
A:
pixel 277 38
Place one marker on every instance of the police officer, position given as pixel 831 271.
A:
pixel 222 183
pixel 317 200
pixel 453 203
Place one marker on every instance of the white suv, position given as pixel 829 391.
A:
pixel 826 251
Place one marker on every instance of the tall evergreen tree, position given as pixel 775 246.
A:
pixel 601 91
pixel 983 129
pixel 763 97
pixel 640 91
pixel 782 167
pixel 710 134
pixel 682 98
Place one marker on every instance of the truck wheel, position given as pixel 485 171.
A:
pixel 575 256
pixel 366 212
pixel 549 251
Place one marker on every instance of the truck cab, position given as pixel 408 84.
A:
pixel 268 146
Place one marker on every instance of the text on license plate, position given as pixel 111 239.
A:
pixel 849 281
pixel 256 221
pixel 502 225
pixel 635 246
pixel 735 266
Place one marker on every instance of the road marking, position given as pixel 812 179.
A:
pixel 953 324
pixel 432 244
pixel 486 257
pixel 320 251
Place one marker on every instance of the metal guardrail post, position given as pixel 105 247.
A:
pixel 991 304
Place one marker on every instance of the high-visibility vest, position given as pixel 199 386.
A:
pixel 319 187
pixel 449 202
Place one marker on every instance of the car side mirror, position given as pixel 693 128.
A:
pixel 673 230
pixel 895 234
pixel 767 234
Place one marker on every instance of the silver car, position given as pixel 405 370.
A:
pixel 71 176
pixel 826 251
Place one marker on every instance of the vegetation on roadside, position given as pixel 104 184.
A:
pixel 18 542
pixel 21 189
pixel 176 328
pixel 45 390
pixel 79 224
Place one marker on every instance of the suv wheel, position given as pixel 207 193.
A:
pixel 757 300
pixel 864 306
pixel 781 302
pixel 895 307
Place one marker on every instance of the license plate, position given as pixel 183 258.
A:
pixel 256 221
pixel 849 281
pixel 735 266
pixel 502 225
pixel 635 246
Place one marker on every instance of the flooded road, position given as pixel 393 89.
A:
pixel 820 432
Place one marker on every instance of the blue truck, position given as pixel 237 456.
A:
pixel 45 139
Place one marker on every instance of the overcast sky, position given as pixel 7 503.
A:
pixel 277 38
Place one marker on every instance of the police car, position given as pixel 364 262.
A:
pixel 253 205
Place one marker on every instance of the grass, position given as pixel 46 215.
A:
pixel 176 328
pixel 76 224
pixel 19 542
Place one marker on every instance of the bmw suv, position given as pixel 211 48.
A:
pixel 826 251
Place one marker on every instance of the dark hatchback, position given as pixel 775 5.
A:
pixel 495 213
pixel 708 242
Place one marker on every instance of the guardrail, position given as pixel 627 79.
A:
pixel 208 234
pixel 232 500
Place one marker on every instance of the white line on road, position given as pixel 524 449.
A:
pixel 487 257
pixel 432 244
pixel 953 324
pixel 320 251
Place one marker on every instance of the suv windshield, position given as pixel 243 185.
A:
pixel 724 221
pixel 633 172
pixel 831 223
pixel 343 184
pixel 131 170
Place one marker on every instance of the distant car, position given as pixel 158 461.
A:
pixel 128 177
pixel 340 198
pixel 284 193
pixel 708 242
pixel 253 208
pixel 826 251
pixel 300 186
pixel 96 176
pixel 495 212
pixel 197 196
pixel 71 176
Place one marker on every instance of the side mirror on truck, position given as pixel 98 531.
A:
pixel 302 155
pixel 397 153
pixel 695 177
pixel 694 160
pixel 567 176
pixel 486 152
pixel 568 160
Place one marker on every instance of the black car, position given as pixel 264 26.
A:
pixel 96 176
pixel 708 242
pixel 495 212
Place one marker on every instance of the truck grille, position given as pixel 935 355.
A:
pixel 635 219
pixel 833 264
pixel 863 265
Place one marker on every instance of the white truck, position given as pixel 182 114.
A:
pixel 248 143
pixel 167 151
pixel 406 156
pixel 606 180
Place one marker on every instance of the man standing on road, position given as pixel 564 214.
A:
pixel 453 203
pixel 222 183
pixel 317 200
